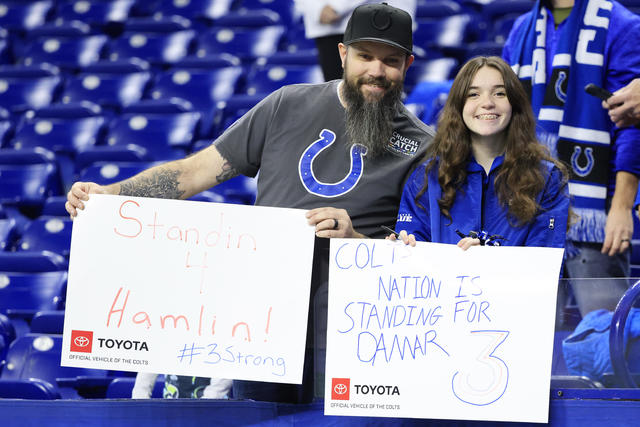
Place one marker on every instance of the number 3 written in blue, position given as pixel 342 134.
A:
pixel 486 380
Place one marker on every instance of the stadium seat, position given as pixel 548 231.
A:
pixel 165 133
pixel 97 14
pixel 239 190
pixel 266 79
pixel 47 233
pixel 28 87
pixel 20 16
pixel 295 40
pixel 285 9
pixel 432 95
pixel 64 129
pixel 32 389
pixel 438 9
pixel 105 173
pixel 8 233
pixel 487 48
pixel 121 388
pixel 31 291
pixel 434 70
pixel 442 34
pixel 69 53
pixel 7 335
pixel 54 206
pixel 32 262
pixel 48 322
pixel 28 177
pixel 38 356
pixel 249 18
pixel 233 108
pixel 204 10
pixel 161 41
pixel 111 84
pixel 302 56
pixel 208 196
pixel 202 87
pixel 245 43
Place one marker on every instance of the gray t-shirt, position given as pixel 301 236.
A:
pixel 296 138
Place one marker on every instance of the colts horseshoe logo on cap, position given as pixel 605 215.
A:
pixel 383 23
pixel 326 189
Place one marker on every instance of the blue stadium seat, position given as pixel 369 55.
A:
pixel 202 87
pixel 28 177
pixel 268 78
pixel 239 190
pixel 208 196
pixel 249 18
pixel 54 206
pixel 6 56
pixel 20 16
pixel 7 334
pixel 438 9
pixel 31 291
pixel 501 27
pixel 95 13
pixel 28 87
pixel 121 388
pixel 8 233
pixel 32 262
pixel 110 84
pixel 32 389
pixel 233 108
pixel 47 233
pixel 161 41
pixel 245 43
pixel 296 40
pixel 204 10
pixel 302 56
pixel 434 70
pixel 285 9
pixel 65 129
pixel 48 322
pixel 70 53
pixel 166 134
pixel 487 48
pixel 105 173
pixel 442 34
pixel 432 95
pixel 38 356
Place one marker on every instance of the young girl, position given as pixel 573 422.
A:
pixel 486 178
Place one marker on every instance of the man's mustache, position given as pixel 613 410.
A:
pixel 378 81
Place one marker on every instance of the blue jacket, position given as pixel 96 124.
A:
pixel 476 208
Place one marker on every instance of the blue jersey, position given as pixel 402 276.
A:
pixel 476 208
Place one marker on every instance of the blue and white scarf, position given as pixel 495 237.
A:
pixel 571 123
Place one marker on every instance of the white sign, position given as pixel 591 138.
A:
pixel 436 332
pixel 188 288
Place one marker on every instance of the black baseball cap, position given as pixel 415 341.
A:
pixel 380 23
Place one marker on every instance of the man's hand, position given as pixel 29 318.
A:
pixel 332 222
pixel 328 15
pixel 624 105
pixel 79 193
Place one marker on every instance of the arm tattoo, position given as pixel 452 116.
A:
pixel 228 172
pixel 162 184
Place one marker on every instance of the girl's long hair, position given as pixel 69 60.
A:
pixel 521 178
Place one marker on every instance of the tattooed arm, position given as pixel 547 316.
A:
pixel 179 179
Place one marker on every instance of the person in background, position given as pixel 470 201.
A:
pixel 325 22
pixel 624 105
pixel 340 150
pixel 556 49
pixel 486 180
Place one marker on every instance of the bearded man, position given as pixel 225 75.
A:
pixel 340 149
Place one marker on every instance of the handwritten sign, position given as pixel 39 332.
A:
pixel 435 332
pixel 188 288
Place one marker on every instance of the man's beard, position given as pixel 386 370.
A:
pixel 370 123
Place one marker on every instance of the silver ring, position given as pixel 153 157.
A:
pixel 335 224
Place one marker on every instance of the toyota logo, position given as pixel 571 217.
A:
pixel 340 389
pixel 81 341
